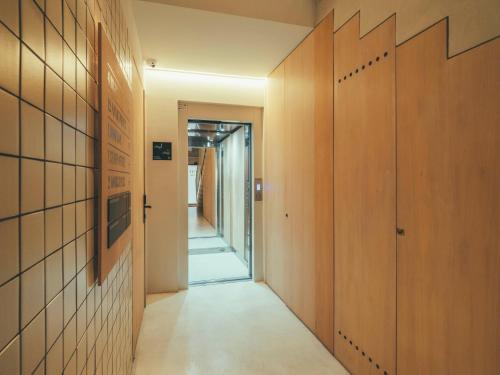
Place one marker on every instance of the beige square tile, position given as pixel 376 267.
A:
pixel 54 57
pixel 9 186
pixel 81 46
pixel 80 148
pixel 91 121
pixel 90 183
pixel 32 185
pixel 54 13
pixel 32 74
pixel 69 66
pixel 80 183
pixel 9 14
pixel 69 262
pixel 41 4
pixel 40 370
pixel 69 301
pixel 81 320
pixel 9 311
pixel 90 213
pixel 32 239
pixel 33 33
pixel 81 252
pixel 9 63
pixel 9 126
pixel 10 358
pixel 68 184
pixel 53 93
pixel 81 80
pixel 69 104
pixel 53 139
pixel 54 274
pixel 53 229
pixel 90 245
pixel 9 251
pixel 53 184
pixel 33 344
pixel 32 293
pixel 81 351
pixel 90 152
pixel 69 27
pixel 80 218
pixel 69 340
pixel 54 360
pixel 91 61
pixel 69 145
pixel 81 287
pixel 81 14
pixel 32 133
pixel 54 319
pixel 69 223
pixel 81 114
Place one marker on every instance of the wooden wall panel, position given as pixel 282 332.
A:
pixel 449 205
pixel 323 179
pixel 299 121
pixel 210 187
pixel 275 225
pixel 138 255
pixel 299 181
pixel 364 196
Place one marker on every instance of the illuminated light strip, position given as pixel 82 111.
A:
pixel 204 75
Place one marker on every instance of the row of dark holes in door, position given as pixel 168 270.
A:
pixel 358 70
pixel 362 352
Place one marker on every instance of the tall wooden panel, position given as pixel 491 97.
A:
pixel 299 121
pixel 275 225
pixel 364 196
pixel 323 179
pixel 449 206
pixel 299 181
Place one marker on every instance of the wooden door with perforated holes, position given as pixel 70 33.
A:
pixel 364 196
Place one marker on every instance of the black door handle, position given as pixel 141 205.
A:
pixel 147 206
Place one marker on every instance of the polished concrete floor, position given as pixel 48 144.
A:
pixel 238 328
pixel 210 257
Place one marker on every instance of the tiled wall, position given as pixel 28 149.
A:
pixel 54 318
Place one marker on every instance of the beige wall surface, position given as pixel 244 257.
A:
pixel 166 181
pixel 54 317
pixel 471 21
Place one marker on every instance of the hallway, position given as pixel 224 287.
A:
pixel 235 329
pixel 210 257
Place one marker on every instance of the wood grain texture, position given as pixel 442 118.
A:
pixel 210 187
pixel 448 204
pixel 299 181
pixel 323 178
pixel 276 233
pixel 364 196
pixel 138 255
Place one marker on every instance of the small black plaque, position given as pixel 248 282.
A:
pixel 162 150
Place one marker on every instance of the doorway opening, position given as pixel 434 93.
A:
pixel 219 201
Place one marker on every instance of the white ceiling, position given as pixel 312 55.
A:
pixel 203 41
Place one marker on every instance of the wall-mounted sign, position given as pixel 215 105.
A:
pixel 115 100
pixel 162 150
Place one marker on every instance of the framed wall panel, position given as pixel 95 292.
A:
pixel 364 196
pixel 448 205
pixel 115 120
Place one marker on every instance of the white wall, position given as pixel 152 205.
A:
pixel 192 169
pixel 166 181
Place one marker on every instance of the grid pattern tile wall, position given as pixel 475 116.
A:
pixel 54 318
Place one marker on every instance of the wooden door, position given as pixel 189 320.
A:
pixel 299 119
pixel 449 206
pixel 364 196
pixel 275 225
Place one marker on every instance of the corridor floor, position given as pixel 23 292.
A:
pixel 239 328
pixel 210 257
